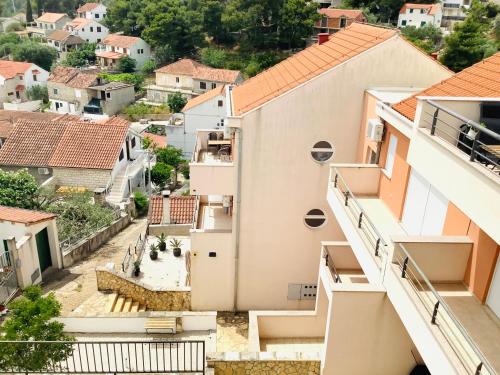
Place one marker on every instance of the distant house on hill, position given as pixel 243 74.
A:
pixel 333 20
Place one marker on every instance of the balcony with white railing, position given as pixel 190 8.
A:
pixel 417 272
pixel 212 170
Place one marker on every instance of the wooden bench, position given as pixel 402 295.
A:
pixel 161 324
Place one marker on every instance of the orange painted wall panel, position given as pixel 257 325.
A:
pixel 393 190
pixel 483 257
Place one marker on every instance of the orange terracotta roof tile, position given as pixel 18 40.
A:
pixel 19 215
pixel 337 13
pixel 9 69
pixel 155 209
pixel 431 9
pixel 74 77
pixel 204 97
pixel 197 70
pixel 110 55
pixel 87 7
pixel 479 80
pixel 182 209
pixel 51 17
pixel 78 23
pixel 156 139
pixel 307 64
pixel 59 35
pixel 63 143
pixel 121 41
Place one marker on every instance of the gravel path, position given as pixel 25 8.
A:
pixel 72 286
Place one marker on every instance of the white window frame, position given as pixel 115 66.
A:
pixel 391 155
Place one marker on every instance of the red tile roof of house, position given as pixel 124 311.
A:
pixel 74 77
pixel 337 13
pixel 59 35
pixel 9 118
pixel 78 23
pixel 158 140
pixel 20 215
pixel 204 97
pixel 155 209
pixel 9 69
pixel 64 143
pixel 87 7
pixel 430 8
pixel 110 55
pixel 122 41
pixel 182 209
pixel 197 70
pixel 51 17
pixel 308 64
pixel 479 80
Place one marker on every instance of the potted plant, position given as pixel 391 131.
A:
pixel 176 247
pixel 162 242
pixel 153 254
pixel 137 268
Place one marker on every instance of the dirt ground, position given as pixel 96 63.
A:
pixel 72 286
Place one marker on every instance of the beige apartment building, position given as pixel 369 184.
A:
pixel 414 286
pixel 261 182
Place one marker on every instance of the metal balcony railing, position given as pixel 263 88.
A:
pixel 331 266
pixel 440 314
pixel 117 357
pixel 363 222
pixel 469 137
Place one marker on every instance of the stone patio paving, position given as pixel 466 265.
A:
pixel 76 284
pixel 232 332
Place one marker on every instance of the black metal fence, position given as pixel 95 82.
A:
pixel 78 357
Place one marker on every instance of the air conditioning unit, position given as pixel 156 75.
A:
pixel 375 130
pixel 43 171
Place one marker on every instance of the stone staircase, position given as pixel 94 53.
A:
pixel 119 303
pixel 116 193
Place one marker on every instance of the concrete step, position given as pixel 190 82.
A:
pixel 119 304
pixel 134 307
pixel 111 302
pixel 142 308
pixel 127 305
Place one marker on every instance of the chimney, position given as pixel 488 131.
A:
pixel 166 206
pixel 322 38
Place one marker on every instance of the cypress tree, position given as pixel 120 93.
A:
pixel 29 11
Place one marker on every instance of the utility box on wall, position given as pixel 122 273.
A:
pixel 298 292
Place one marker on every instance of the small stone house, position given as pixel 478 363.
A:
pixel 64 42
pixel 29 246
pixel 47 23
pixel 68 153
pixel 190 78
pixel 93 11
pixel 332 20
pixel 82 92
pixel 116 46
pixel 16 78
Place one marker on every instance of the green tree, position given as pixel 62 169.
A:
pixel 469 42
pixel 214 57
pixel 429 38
pixel 8 42
pixel 124 15
pixel 170 155
pixel 127 64
pixel 38 92
pixel 176 102
pixel 212 11
pixel 84 55
pixel 18 189
pixel 296 21
pixel 149 67
pixel 172 23
pixel 31 319
pixel 36 53
pixel 160 174
pixel 39 7
pixel 29 11
pixel 141 202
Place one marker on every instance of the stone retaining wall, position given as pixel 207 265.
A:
pixel 176 299
pixel 87 247
pixel 263 363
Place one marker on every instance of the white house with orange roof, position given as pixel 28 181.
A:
pixel 190 78
pixel 92 11
pixel 47 23
pixel 419 15
pixel 29 246
pixel 116 46
pixel 88 29
pixel 262 181
pixel 16 77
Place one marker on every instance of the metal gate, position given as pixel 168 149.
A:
pixel 117 357
pixel 8 280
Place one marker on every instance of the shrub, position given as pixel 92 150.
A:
pixel 141 202
pixel 140 109
pixel 18 189
pixel 82 56
pixel 131 78
pixel 184 169
pixel 176 102
pixel 149 67
pixel 127 64
pixel 38 92
pixel 17 26
pixel 160 174
pixel 214 57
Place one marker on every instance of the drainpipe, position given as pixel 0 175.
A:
pixel 239 138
